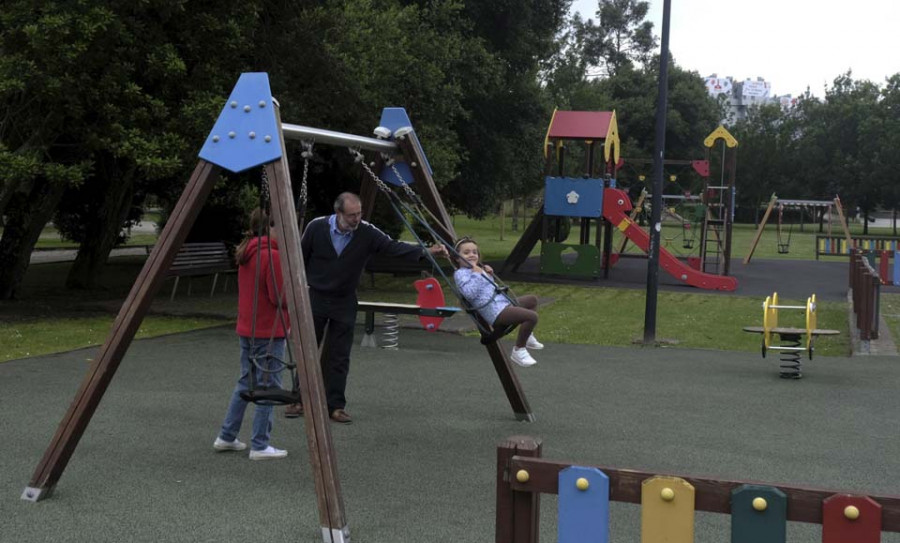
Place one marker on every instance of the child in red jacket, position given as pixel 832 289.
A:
pixel 262 336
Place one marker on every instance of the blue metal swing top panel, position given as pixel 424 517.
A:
pixel 246 134
pixel 395 118
pixel 573 197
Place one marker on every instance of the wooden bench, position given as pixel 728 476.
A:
pixel 196 259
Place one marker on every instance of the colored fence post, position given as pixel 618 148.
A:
pixel 517 512
pixel 667 510
pixel 851 519
pixel 583 515
pixel 758 515
pixel 895 275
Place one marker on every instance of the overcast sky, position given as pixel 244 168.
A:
pixel 790 43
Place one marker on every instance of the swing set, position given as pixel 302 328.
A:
pixel 820 208
pixel 249 134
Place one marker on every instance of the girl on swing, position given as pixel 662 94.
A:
pixel 476 283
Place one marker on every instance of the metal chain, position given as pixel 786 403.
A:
pixel 406 188
pixel 264 190
pixel 362 160
pixel 306 154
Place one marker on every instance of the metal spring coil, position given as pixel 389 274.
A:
pixel 391 334
pixel 790 360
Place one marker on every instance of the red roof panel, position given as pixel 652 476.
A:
pixel 587 125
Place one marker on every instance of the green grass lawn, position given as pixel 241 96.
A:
pixel 615 317
pixel 26 338
pixel 49 318
pixel 673 235
pixel 890 310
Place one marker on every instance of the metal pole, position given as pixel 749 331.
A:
pixel 656 211
pixel 318 135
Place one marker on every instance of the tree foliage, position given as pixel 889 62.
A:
pixel 105 104
pixel 844 144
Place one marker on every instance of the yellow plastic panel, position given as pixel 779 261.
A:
pixel 667 510
pixel 720 132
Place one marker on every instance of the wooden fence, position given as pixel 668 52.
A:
pixel 759 511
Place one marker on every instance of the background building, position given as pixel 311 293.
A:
pixel 740 96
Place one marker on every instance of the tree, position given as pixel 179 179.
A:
pixel 124 99
pixel 765 140
pixel 621 36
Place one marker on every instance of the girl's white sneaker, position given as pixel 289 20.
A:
pixel 533 343
pixel 521 357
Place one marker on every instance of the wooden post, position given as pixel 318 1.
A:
pixel 840 210
pixel 302 342
pixel 426 189
pixel 510 382
pixel 518 513
pixel 759 231
pixel 132 312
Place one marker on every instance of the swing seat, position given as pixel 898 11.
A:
pixel 783 248
pixel 492 335
pixel 688 244
pixel 489 334
pixel 271 396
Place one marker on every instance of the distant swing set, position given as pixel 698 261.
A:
pixel 822 208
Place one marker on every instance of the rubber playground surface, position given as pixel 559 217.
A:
pixel 418 463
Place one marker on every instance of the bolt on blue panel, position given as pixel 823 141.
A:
pixel 395 118
pixel 583 506
pixel 573 197
pixel 246 134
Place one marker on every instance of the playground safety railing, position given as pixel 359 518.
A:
pixel 837 245
pixel 865 286
pixel 759 511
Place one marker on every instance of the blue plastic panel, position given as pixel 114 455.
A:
pixel 246 134
pixel 395 118
pixel 583 514
pixel 573 197
pixel 896 274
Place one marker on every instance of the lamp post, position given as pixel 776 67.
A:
pixel 656 210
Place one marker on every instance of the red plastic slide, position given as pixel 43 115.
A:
pixel 616 206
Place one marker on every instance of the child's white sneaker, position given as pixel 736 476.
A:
pixel 521 357
pixel 269 453
pixel 221 445
pixel 533 343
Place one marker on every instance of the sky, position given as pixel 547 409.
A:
pixel 791 44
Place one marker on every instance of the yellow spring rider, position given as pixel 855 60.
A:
pixel 791 338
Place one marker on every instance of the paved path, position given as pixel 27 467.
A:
pixel 42 256
pixel 63 255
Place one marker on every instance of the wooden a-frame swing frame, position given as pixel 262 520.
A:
pixel 268 151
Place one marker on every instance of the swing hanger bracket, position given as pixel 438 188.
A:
pixel 307 146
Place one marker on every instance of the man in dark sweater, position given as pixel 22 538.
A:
pixel 335 251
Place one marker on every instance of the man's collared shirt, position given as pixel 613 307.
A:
pixel 339 238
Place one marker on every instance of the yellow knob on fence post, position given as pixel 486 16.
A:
pixel 851 512
pixel 522 476
pixel 760 504
pixel 582 484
